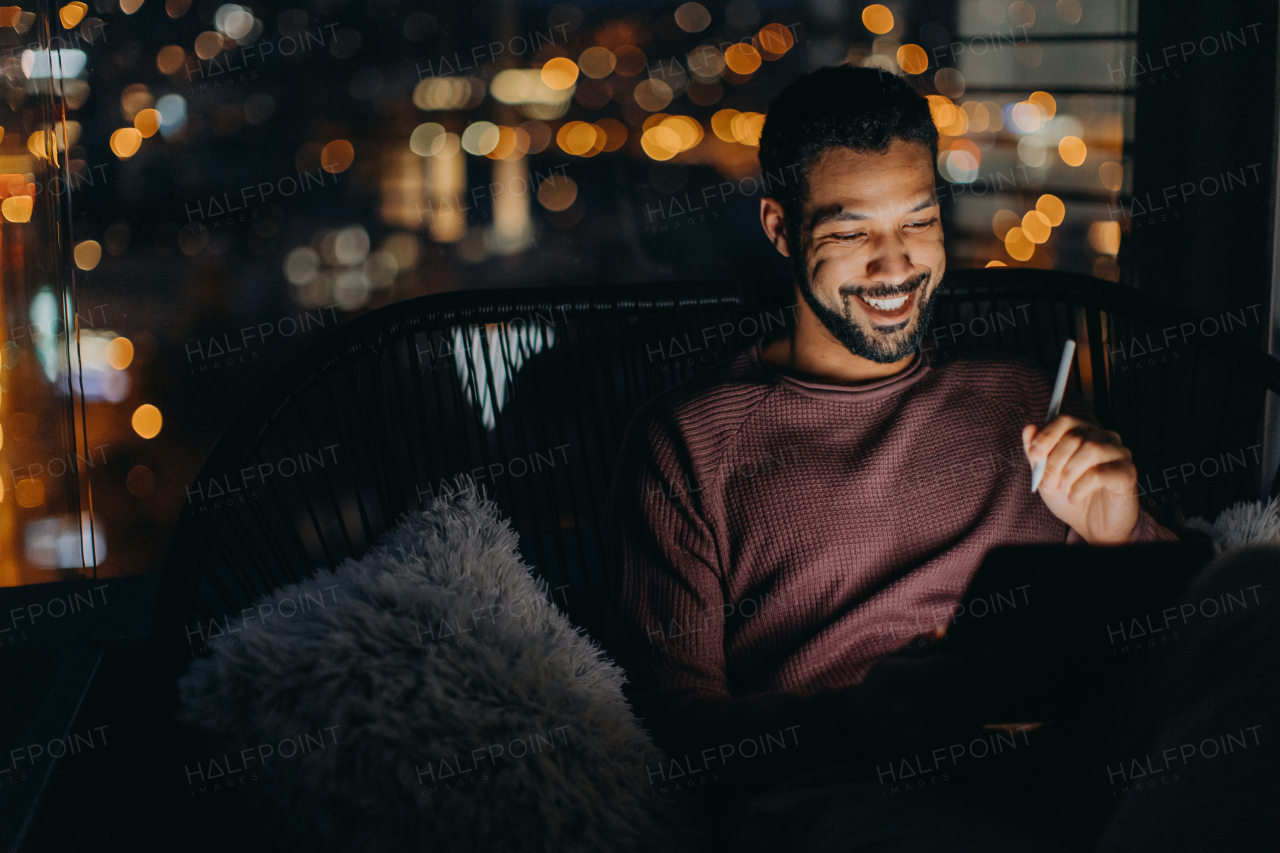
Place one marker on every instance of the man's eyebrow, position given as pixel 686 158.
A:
pixel 837 213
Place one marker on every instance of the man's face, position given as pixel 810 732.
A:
pixel 871 254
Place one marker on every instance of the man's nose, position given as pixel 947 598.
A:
pixel 890 262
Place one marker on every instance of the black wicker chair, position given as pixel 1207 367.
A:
pixel 531 390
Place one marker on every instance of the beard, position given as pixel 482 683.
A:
pixel 881 344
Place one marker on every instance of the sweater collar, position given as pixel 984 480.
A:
pixel 919 367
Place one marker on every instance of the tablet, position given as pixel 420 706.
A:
pixel 1076 600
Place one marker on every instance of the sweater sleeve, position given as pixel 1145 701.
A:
pixel 665 625
pixel 1146 530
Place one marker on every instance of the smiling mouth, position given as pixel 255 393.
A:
pixel 887 304
pixel 892 309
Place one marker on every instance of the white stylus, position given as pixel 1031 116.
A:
pixel 1055 403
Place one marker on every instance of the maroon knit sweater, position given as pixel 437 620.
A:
pixel 774 537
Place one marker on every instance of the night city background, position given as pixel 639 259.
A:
pixel 214 184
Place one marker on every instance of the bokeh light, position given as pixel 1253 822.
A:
pixel 1026 117
pixel 948 81
pixel 337 156
pixel 1032 151
pixel 450 93
pixel 208 44
pixel 773 41
pixel 87 254
pixel 1018 245
pixel 17 208
pixel 119 352
pixel 747 127
pixel 171 59
pixel 693 17
pixel 125 142
pixel 722 124
pixel 597 62
pixel 1022 13
pixel 480 138
pixel 1072 150
pixel 995 117
pixel 1048 106
pixel 877 18
pixel 557 193
pixel 742 58
pixel 539 135
pixel 147 122
pixel 1104 237
pixel 560 72
pixel 652 94
pixel 147 421
pixel 1003 221
pixel 1036 226
pixel 1111 174
pixel 72 13
pixel 660 142
pixel 958 167
pixel 43 144
pixel 631 60
pixel 615 133
pixel 1053 208
pixel 706 61
pixel 687 129
pixel 912 59
pixel 578 138
pixel 977 114
pixel 427 139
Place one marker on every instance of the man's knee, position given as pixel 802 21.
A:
pixel 1244 578
pixel 1233 605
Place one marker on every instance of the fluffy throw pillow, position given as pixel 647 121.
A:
pixel 436 700
pixel 1242 524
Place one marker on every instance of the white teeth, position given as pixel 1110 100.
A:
pixel 888 304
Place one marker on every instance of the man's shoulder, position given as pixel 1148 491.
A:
pixel 993 369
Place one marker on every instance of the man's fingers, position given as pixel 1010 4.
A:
pixel 1058 457
pixel 1049 435
pixel 1088 455
pixel 1118 475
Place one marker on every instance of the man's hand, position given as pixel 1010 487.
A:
pixel 1090 481
pixel 916 700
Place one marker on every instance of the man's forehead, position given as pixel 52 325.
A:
pixel 871 184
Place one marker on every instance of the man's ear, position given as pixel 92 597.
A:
pixel 774 223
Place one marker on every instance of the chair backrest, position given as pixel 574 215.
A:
pixel 529 391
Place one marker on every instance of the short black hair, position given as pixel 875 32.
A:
pixel 864 109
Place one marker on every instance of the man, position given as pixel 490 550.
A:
pixel 790 520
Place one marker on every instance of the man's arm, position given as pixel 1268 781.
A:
pixel 665 625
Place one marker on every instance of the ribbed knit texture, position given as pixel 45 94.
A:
pixel 773 538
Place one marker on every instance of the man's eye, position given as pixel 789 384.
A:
pixel 924 224
pixel 850 236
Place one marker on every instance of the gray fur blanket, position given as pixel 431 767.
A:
pixel 1242 524
pixel 434 699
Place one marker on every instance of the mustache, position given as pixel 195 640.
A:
pixel 875 292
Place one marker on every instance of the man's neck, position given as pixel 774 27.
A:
pixel 810 352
